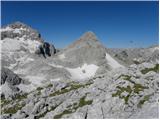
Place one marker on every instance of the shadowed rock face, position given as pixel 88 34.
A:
pixel 46 49
pixel 10 77
pixel 9 82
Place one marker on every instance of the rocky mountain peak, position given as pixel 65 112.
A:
pixel 88 39
pixel 89 36
pixel 18 25
pixel 18 36
pixel 20 30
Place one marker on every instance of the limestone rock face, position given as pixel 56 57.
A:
pixel 9 82
pixel 10 77
pixel 87 49
pixel 21 37
pixel 19 30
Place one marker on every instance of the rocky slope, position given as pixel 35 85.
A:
pixel 136 55
pixel 84 80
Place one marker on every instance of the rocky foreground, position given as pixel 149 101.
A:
pixel 85 80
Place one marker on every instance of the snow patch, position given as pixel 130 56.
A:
pixel 84 72
pixel 80 73
pixel 10 45
pixel 16 44
pixel 56 79
pixel 62 56
pixel 112 62
pixel 6 29
pixel 17 31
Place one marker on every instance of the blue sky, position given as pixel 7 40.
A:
pixel 116 24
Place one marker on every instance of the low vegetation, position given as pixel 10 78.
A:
pixel 136 62
pixel 138 87
pixel 50 85
pixel 73 86
pixel 74 107
pixel 13 109
pixel 39 90
pixel 155 69
pixel 125 77
pixel 17 97
pixel 141 102
pixel 4 102
pixel 120 91
pixel 43 114
pixel 134 90
pixel 20 97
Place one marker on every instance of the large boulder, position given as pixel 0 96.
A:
pixel 10 77
pixel 9 82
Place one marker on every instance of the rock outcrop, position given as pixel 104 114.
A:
pixel 10 77
pixel 9 80
pixel 46 49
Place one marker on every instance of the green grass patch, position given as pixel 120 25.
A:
pixel 74 107
pixel 58 116
pixel 141 102
pixel 125 77
pixel 13 110
pixel 39 88
pixel 120 91
pixel 4 102
pixel 83 102
pixel 138 87
pixel 21 97
pixel 136 62
pixel 155 69
pixel 68 89
pixel 43 114
pixel 50 85
pixel 18 97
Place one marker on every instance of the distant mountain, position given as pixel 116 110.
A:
pixel 136 55
pixel 88 50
